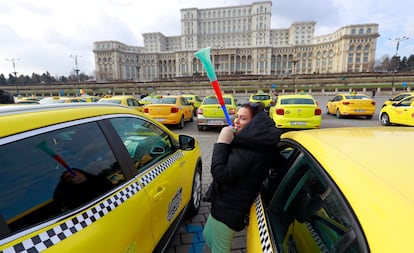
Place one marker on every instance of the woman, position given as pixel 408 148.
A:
pixel 241 161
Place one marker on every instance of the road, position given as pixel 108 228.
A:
pixel 188 238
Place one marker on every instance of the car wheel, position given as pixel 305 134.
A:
pixel 200 128
pixel 191 118
pixel 385 119
pixel 369 116
pixel 327 111
pixel 195 201
pixel 338 114
pixel 181 124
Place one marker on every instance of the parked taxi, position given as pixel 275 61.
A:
pixel 92 177
pixel 127 100
pixel 296 111
pixel 170 110
pixel 396 98
pixel 337 190
pixel 195 100
pixel 401 113
pixel 210 112
pixel 262 97
pixel 351 104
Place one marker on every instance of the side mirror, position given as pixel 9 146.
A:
pixel 186 142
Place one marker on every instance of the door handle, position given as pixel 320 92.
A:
pixel 159 193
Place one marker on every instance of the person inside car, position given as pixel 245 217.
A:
pixel 77 187
pixel 6 98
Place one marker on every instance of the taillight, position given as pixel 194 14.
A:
pixel 146 110
pixel 200 111
pixel 346 103
pixel 318 111
pixel 174 109
pixel 232 111
pixel 373 102
pixel 280 111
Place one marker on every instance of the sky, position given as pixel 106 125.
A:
pixel 52 35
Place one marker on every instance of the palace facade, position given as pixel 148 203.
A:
pixel 241 42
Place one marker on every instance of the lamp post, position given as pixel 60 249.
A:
pixel 13 61
pixel 398 40
pixel 75 57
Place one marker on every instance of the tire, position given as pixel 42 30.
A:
pixel 385 119
pixel 369 116
pixel 200 128
pixel 195 201
pixel 338 114
pixel 181 124
pixel 327 111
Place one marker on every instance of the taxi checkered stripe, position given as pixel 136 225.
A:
pixel 263 232
pixel 59 233
pixel 151 175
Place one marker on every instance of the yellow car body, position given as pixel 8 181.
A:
pixel 126 100
pixel 262 97
pixel 398 97
pixel 210 112
pixel 152 179
pixel 401 113
pixel 337 190
pixel 170 110
pixel 348 104
pixel 296 111
pixel 194 100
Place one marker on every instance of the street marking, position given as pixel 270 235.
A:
pixel 197 244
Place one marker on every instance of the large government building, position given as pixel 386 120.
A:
pixel 242 43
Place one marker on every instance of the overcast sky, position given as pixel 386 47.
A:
pixel 41 35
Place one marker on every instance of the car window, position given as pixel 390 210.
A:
pixel 261 97
pixel 298 101
pixel 165 100
pixel 308 214
pixel 37 176
pixel 146 143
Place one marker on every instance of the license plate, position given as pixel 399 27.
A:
pixel 160 120
pixel 298 123
pixel 215 122
pixel 359 110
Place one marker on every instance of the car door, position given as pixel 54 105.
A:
pixel 301 210
pixel 404 111
pixel 158 168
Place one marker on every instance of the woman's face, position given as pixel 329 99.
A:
pixel 243 117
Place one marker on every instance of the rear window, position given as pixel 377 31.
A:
pixel 297 101
pixel 261 97
pixel 169 101
pixel 214 100
pixel 356 97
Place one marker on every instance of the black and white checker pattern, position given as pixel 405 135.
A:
pixel 263 231
pixel 47 239
pixel 151 175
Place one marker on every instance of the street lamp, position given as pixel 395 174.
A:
pixel 75 57
pixel 13 61
pixel 398 40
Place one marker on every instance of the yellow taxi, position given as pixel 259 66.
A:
pixel 92 177
pixel 401 113
pixel 337 190
pixel 60 99
pixel 126 100
pixel 262 97
pixel 90 98
pixel 170 110
pixel 210 113
pixel 398 97
pixel 194 100
pixel 296 111
pixel 350 104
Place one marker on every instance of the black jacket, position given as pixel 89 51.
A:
pixel 239 169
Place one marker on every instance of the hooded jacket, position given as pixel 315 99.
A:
pixel 239 168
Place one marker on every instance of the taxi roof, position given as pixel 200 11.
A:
pixel 21 118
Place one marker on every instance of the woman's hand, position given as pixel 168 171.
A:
pixel 226 135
